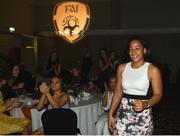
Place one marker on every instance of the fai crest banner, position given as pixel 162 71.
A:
pixel 71 20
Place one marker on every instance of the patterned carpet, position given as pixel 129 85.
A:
pixel 167 113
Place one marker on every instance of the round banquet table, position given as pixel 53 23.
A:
pixel 87 113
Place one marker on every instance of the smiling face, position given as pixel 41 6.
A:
pixel 56 84
pixel 136 51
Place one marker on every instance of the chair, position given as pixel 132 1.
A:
pixel 60 122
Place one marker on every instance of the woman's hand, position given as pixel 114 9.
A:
pixel 8 103
pixel 44 88
pixel 57 69
pixel 111 123
pixel 52 67
pixel 12 104
pixel 20 85
pixel 10 82
pixel 140 105
pixel 16 104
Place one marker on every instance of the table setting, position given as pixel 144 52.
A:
pixel 23 101
pixel 86 105
pixel 82 97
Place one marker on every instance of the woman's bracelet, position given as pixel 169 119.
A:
pixel 146 104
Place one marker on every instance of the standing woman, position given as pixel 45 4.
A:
pixel 133 94
pixel 104 68
pixel 53 67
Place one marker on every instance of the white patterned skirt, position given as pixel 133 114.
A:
pixel 130 122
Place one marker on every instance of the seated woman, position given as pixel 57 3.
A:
pixel 76 76
pixel 16 80
pixel 101 127
pixel 52 97
pixel 92 86
pixel 8 124
pixel 5 88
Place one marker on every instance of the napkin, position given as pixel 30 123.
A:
pixel 74 100
pixel 85 94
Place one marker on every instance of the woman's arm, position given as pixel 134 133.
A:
pixel 42 102
pixel 58 103
pixel 156 82
pixel 43 88
pixel 116 97
pixel 101 66
pixel 57 69
pixel 19 85
pixel 105 98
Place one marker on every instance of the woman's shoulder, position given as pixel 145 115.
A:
pixel 153 69
pixel 64 95
pixel 122 66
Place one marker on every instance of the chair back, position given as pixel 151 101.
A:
pixel 59 122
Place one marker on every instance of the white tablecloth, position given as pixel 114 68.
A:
pixel 87 113
pixel 87 116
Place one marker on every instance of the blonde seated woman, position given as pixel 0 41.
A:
pixel 9 124
pixel 52 97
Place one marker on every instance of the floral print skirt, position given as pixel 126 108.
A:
pixel 130 122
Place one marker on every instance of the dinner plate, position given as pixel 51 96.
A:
pixel 30 106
